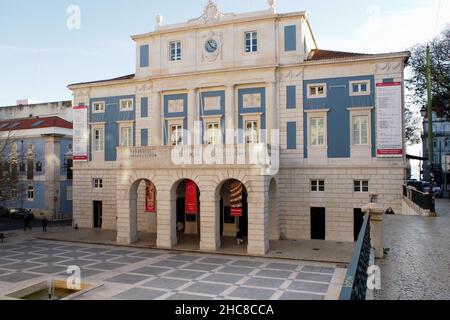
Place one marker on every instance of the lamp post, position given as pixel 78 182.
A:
pixel 430 119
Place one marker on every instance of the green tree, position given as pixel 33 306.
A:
pixel 440 73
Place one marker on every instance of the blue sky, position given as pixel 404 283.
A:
pixel 39 56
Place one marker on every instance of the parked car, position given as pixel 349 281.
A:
pixel 21 213
pixel 4 212
pixel 437 191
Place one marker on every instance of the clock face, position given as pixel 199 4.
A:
pixel 211 46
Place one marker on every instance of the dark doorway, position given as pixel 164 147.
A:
pixel 181 217
pixel 243 221
pixel 358 220
pixel 98 214
pixel 318 223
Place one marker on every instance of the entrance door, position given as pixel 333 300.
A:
pixel 358 220
pixel 318 223
pixel 98 214
pixel 181 215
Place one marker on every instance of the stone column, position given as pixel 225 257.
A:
pixel 126 216
pixel 52 174
pixel 376 218
pixel 157 119
pixel 230 108
pixel 270 108
pixel 258 223
pixel 166 224
pixel 192 112
pixel 209 222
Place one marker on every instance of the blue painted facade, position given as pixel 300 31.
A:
pixel 291 97
pixel 242 110
pixel 290 38
pixel 338 99
pixel 144 56
pixel 168 114
pixel 291 135
pixel 220 112
pixel 110 117
pixel 144 107
pixel 144 137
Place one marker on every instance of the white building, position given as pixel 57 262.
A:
pixel 251 72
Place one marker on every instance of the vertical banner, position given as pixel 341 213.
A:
pixel 389 120
pixel 150 198
pixel 80 133
pixel 236 194
pixel 191 198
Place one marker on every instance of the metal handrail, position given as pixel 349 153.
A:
pixel 355 283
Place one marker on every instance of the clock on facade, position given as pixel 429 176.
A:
pixel 211 46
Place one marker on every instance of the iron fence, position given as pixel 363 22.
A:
pixel 355 284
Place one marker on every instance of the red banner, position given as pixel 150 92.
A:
pixel 150 198
pixel 236 193
pixel 191 198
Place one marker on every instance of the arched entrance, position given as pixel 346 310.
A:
pixel 187 213
pixel 143 212
pixel 233 214
pixel 274 222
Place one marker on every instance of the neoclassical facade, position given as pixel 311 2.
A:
pixel 280 139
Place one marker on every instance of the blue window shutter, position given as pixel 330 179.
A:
pixel 388 80
pixel 291 99
pixel 292 135
pixel 144 107
pixel 144 55
pixel 290 38
pixel 144 137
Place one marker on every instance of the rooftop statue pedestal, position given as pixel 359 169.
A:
pixel 376 213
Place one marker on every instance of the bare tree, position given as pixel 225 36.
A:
pixel 9 163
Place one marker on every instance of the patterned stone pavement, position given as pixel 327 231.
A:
pixel 136 274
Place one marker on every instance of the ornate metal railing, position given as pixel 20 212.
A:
pixel 355 284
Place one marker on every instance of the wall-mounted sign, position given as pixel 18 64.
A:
pixel 389 120
pixel 80 133
pixel 191 198
pixel 236 199
pixel 150 198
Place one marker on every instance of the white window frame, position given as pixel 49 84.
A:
pixel 359 139
pixel 69 193
pixel 362 111
pixel 128 101
pixel 360 84
pixel 317 95
pixel 178 47
pixel 175 123
pixel 361 186
pixel 14 194
pixel 253 34
pixel 97 183
pixel 316 184
pixel 215 135
pixel 98 147
pixel 311 131
pixel 98 103
pixel 30 193
pixel 128 125
pixel 252 117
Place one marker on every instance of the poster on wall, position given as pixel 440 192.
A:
pixel 191 198
pixel 150 198
pixel 80 133
pixel 389 120
pixel 236 199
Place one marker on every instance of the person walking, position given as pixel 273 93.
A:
pixel 44 224
pixel 25 222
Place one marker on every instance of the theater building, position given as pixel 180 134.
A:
pixel 239 126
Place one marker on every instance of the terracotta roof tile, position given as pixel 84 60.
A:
pixel 34 123
pixel 318 54
pixel 127 77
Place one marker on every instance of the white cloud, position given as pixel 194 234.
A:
pixel 387 31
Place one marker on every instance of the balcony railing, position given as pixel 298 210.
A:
pixel 355 284
pixel 261 155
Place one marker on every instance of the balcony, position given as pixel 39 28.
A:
pixel 260 155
